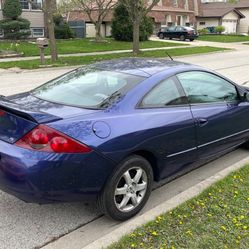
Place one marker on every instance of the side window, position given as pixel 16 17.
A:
pixel 164 94
pixel 202 87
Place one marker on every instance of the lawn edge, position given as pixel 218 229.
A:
pixel 166 206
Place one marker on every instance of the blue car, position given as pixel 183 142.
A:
pixel 107 131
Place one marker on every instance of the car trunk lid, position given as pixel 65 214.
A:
pixel 16 120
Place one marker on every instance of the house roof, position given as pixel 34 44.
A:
pixel 221 9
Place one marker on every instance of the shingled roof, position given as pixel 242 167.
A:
pixel 221 9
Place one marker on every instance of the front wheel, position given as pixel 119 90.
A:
pixel 128 189
pixel 161 36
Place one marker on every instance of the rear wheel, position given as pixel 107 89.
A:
pixel 128 189
pixel 191 39
pixel 182 38
pixel 161 36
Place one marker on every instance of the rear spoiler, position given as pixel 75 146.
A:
pixel 29 114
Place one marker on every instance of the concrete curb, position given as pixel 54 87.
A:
pixel 138 221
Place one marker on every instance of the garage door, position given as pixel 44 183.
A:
pixel 90 30
pixel 230 26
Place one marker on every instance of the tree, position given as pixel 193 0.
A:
pixel 122 25
pixel 137 11
pixel 13 25
pixel 96 10
pixel 49 9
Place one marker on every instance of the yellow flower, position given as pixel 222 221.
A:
pixel 180 222
pixel 133 245
pixel 242 217
pixel 154 233
pixel 244 227
pixel 223 228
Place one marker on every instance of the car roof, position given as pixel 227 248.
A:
pixel 144 67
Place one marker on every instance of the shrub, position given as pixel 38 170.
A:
pixel 62 29
pixel 122 28
pixel 219 29
pixel 203 31
pixel 14 27
pixel 12 9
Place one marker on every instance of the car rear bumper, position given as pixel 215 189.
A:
pixel 47 177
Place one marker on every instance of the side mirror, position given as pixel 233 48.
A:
pixel 244 94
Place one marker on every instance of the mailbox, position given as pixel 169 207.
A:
pixel 42 42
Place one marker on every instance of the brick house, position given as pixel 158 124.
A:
pixel 33 13
pixel 165 13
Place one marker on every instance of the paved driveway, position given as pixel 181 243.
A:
pixel 25 226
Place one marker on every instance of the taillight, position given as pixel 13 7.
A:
pixel 44 138
pixel 2 113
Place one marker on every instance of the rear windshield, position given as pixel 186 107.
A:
pixel 87 87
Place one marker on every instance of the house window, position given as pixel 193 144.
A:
pixel 24 4
pixel 202 23
pixel 36 4
pixel 37 32
pixel 186 7
pixel 168 20
pixel 175 3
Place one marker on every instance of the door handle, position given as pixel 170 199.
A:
pixel 202 121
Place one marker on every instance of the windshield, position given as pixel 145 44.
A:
pixel 87 87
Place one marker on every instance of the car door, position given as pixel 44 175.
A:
pixel 222 118
pixel 172 133
pixel 170 32
pixel 178 32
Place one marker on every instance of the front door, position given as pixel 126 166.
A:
pixel 172 133
pixel 222 119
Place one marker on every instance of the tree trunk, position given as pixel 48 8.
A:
pixel 49 10
pixel 98 36
pixel 136 28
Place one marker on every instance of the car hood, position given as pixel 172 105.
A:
pixel 35 104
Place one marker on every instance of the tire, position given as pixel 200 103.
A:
pixel 182 38
pixel 191 40
pixel 161 36
pixel 130 200
pixel 246 145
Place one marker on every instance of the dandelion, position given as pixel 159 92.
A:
pixel 224 228
pixel 133 245
pixel 242 217
pixel 244 227
pixel 154 233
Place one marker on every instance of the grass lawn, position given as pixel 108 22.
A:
pixel 223 38
pixel 217 218
pixel 83 60
pixel 83 46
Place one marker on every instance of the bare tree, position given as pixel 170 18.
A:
pixel 137 11
pixel 49 9
pixel 96 10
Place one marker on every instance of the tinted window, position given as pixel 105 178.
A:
pixel 171 29
pixel 179 28
pixel 164 94
pixel 87 87
pixel 202 87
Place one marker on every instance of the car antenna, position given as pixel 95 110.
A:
pixel 169 56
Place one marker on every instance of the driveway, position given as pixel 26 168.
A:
pixel 26 226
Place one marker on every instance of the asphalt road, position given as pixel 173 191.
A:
pixel 26 226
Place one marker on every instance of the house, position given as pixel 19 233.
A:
pixel 33 12
pixel 234 17
pixel 165 13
